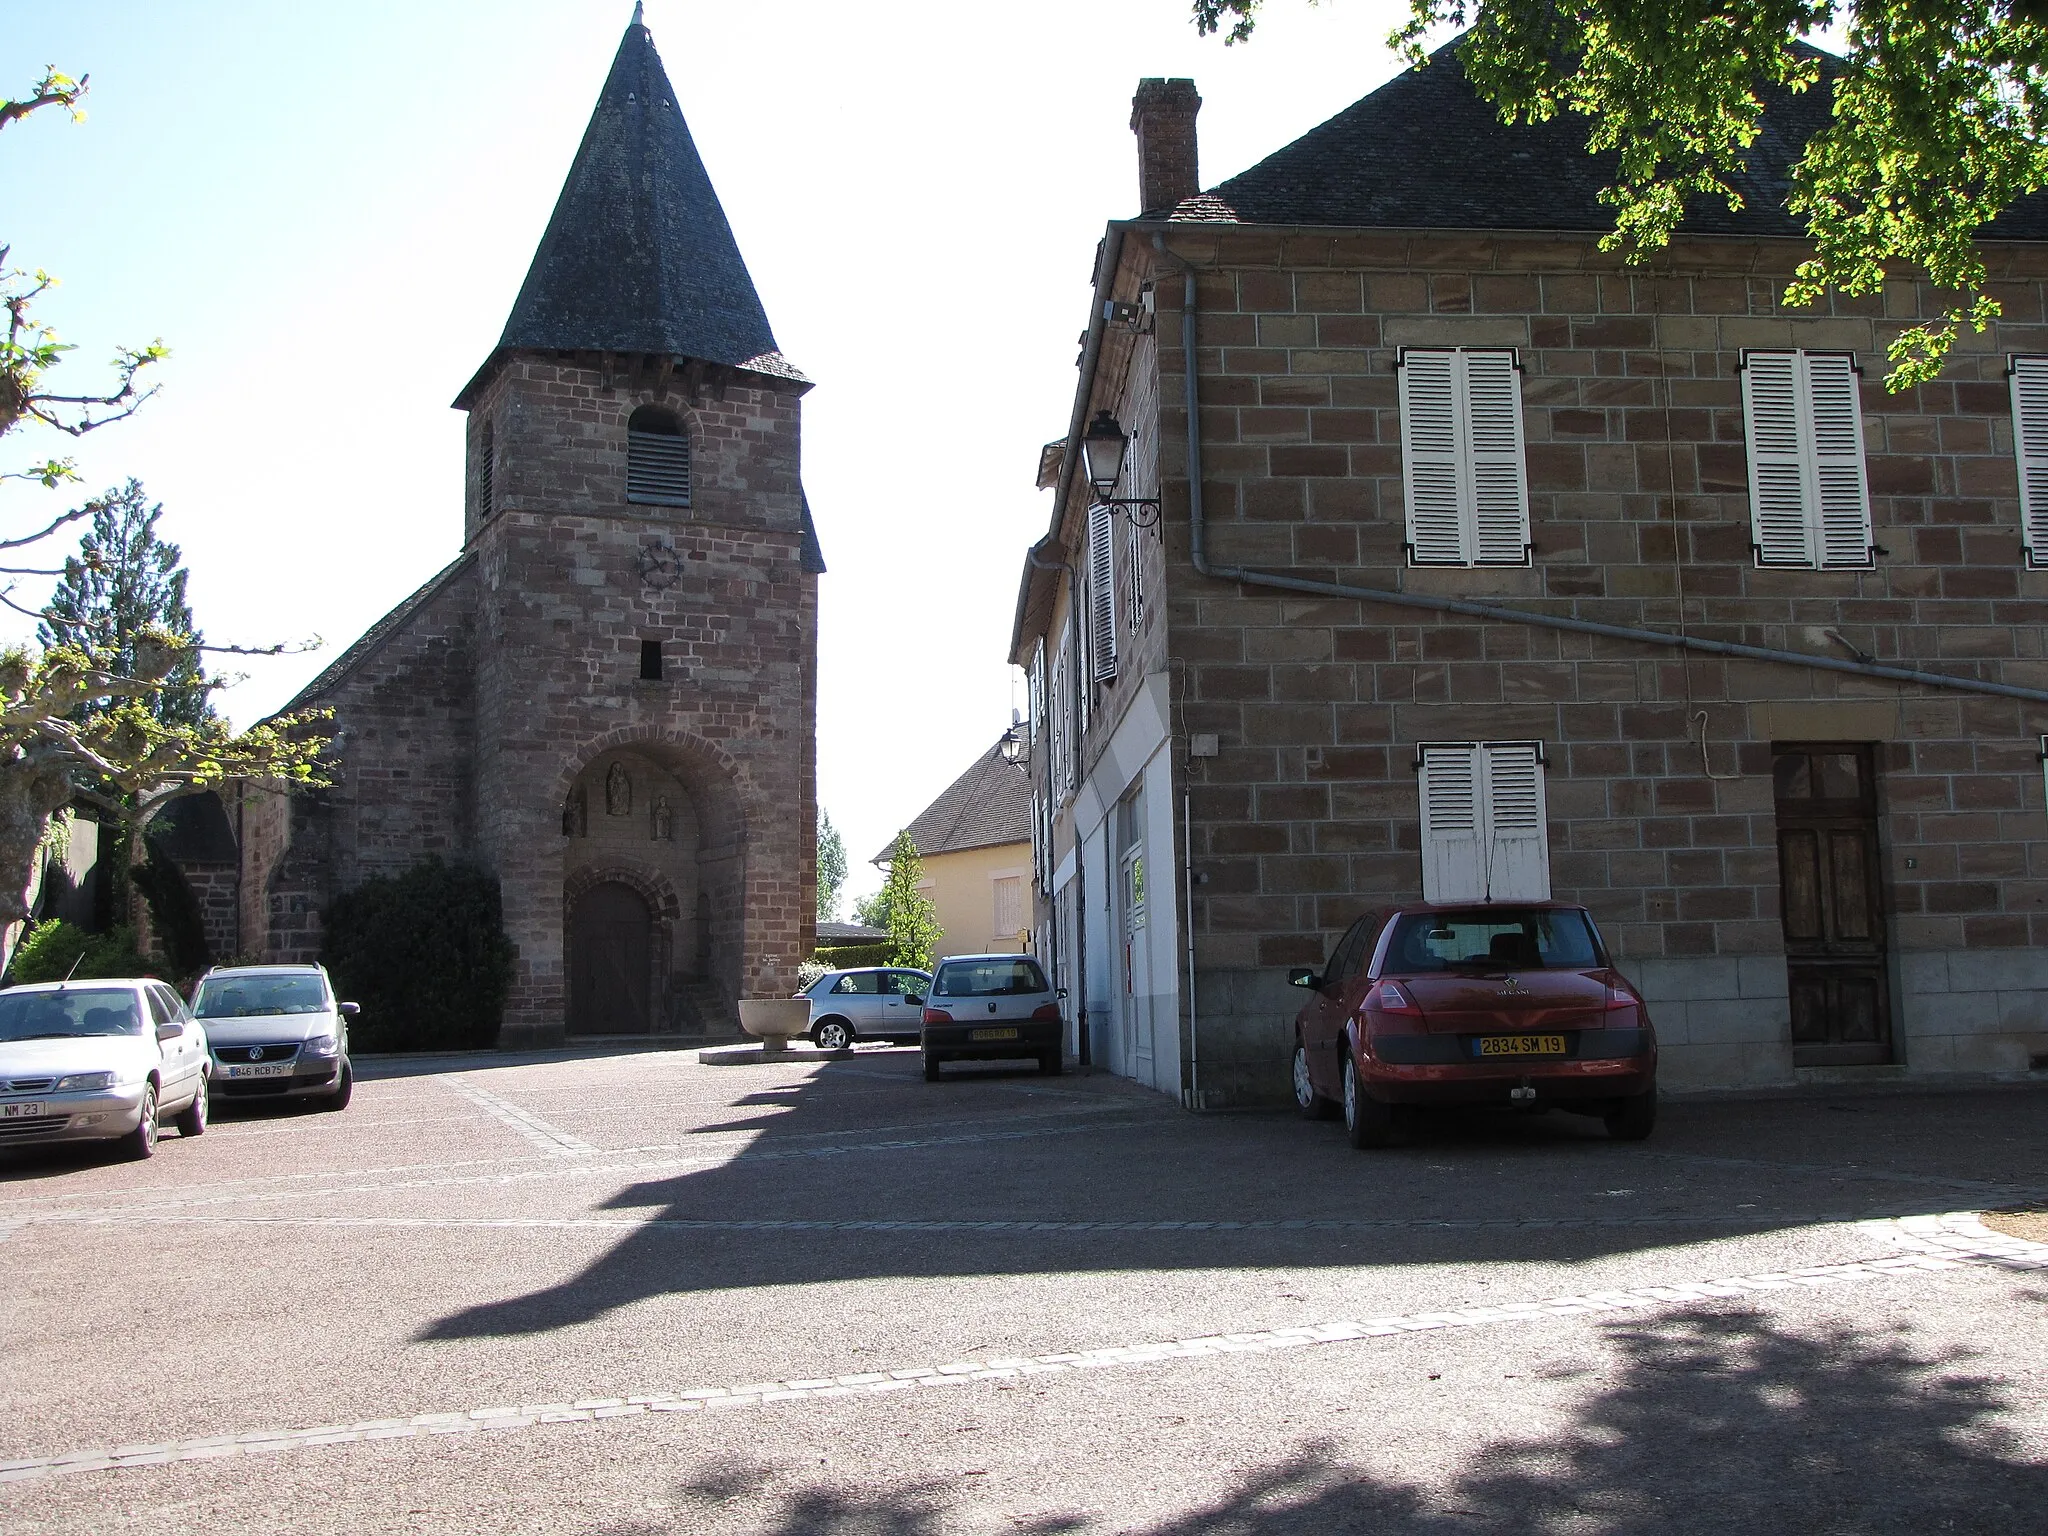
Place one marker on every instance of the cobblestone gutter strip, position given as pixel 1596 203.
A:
pixel 550 1139
pixel 1936 1244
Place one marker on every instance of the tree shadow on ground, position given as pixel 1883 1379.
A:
pixel 1722 1422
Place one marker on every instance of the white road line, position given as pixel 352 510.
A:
pixel 548 1138
pixel 1940 1244
pixel 973 1226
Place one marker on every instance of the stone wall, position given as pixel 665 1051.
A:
pixel 1640 516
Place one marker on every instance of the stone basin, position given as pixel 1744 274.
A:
pixel 775 1019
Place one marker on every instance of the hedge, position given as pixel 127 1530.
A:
pixel 425 954
pixel 53 949
pixel 844 957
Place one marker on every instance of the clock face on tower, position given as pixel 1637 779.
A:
pixel 659 566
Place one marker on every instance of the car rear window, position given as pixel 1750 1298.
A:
pixel 988 978
pixel 1493 938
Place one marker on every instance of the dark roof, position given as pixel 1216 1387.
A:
pixel 638 256
pixel 373 637
pixel 1425 151
pixel 988 804
pixel 850 933
pixel 193 829
pixel 813 553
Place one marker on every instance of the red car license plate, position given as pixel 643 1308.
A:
pixel 1521 1045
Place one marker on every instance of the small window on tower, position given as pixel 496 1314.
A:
pixel 650 661
pixel 657 459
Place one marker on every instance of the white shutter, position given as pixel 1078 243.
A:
pixel 1453 859
pixel 1841 493
pixel 1777 459
pixel 1102 591
pixel 2030 443
pixel 1431 451
pixel 1500 484
pixel 1518 842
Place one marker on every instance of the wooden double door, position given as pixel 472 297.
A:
pixel 611 957
pixel 1832 904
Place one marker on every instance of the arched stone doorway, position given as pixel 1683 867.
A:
pixel 611 962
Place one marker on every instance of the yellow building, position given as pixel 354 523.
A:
pixel 975 843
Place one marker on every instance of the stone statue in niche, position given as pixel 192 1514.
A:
pixel 576 814
pixel 618 791
pixel 664 822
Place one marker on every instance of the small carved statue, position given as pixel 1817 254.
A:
pixel 618 791
pixel 576 814
pixel 664 822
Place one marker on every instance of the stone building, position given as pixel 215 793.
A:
pixel 607 698
pixel 1482 565
pixel 974 843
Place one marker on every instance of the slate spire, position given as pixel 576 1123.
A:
pixel 638 256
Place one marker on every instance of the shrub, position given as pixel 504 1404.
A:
pixel 173 912
pixel 426 955
pixel 808 971
pixel 50 950
pixel 844 957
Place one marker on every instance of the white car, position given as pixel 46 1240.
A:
pixel 870 1002
pixel 99 1061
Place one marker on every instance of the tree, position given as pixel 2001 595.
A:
pixel 872 910
pixel 76 720
pixel 125 582
pixel 831 868
pixel 1940 108
pixel 913 921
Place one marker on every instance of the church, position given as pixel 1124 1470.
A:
pixel 607 699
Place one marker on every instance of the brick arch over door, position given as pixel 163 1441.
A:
pixel 712 940
pixel 665 912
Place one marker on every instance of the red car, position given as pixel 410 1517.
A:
pixel 1513 1004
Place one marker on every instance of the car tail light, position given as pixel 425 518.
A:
pixel 1047 1013
pixel 1617 999
pixel 937 1016
pixel 1392 999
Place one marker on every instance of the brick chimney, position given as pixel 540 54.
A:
pixel 1163 118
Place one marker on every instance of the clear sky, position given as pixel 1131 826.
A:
pixel 326 211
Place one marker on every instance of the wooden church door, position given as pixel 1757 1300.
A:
pixel 610 942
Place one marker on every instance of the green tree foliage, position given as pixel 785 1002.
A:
pixel 831 868
pixel 426 955
pixel 78 717
pixel 54 949
pixel 1940 108
pixel 872 910
pixel 913 922
pixel 124 583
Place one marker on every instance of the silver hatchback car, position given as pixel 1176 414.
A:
pixel 992 1008
pixel 872 1002
pixel 277 1033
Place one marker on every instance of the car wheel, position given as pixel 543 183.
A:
pixel 1633 1119
pixel 191 1120
pixel 1313 1105
pixel 338 1100
pixel 1368 1122
pixel 833 1035
pixel 141 1142
pixel 1052 1064
pixel 931 1067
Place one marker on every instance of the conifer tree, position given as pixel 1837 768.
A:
pixel 125 583
pixel 914 930
pixel 831 868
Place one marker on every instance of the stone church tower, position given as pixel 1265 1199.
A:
pixel 608 698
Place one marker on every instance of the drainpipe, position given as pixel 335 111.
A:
pixel 1500 615
pixel 1187 871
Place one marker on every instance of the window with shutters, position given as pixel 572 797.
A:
pixel 1059 723
pixel 1141 466
pixel 2030 444
pixel 1809 497
pixel 1484 834
pixel 1102 564
pixel 486 471
pixel 657 459
pixel 1462 465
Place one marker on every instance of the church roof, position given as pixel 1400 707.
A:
pixel 1425 151
pixel 988 804
pixel 374 637
pixel 638 256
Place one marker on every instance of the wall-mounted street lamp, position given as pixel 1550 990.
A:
pixel 1016 744
pixel 1103 447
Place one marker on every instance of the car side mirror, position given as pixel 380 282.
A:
pixel 1060 992
pixel 1302 976
pixel 348 1010
pixel 170 1029
pixel 912 999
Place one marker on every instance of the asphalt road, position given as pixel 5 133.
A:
pixel 632 1294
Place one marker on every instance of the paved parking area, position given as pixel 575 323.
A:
pixel 630 1293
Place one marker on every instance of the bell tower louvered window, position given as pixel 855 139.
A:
pixel 1484 832
pixel 657 459
pixel 1463 468
pixel 486 471
pixel 1809 498
pixel 2030 443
